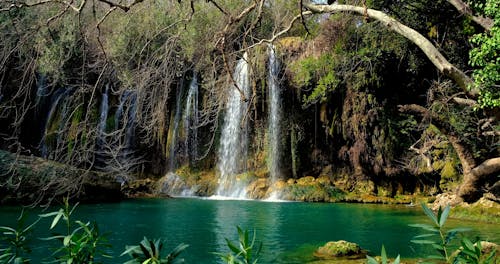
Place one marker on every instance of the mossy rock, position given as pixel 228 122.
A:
pixel 340 249
pixel 304 181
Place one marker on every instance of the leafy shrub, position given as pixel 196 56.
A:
pixel 149 251
pixel 13 241
pixel 244 252
pixel 82 242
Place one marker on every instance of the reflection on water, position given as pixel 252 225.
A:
pixel 289 231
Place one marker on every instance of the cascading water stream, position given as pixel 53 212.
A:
pixel 103 116
pixel 177 119
pixel 232 149
pixel 125 117
pixel 56 97
pixel 127 105
pixel 65 110
pixel 191 120
pixel 130 126
pixel 100 150
pixel 274 119
pixel 172 183
pixel 41 91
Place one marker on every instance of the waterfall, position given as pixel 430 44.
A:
pixel 55 98
pixel 121 105
pixel 130 126
pixel 232 148
pixel 127 105
pixel 191 120
pixel 101 151
pixel 177 119
pixel 274 118
pixel 103 117
pixel 65 110
pixel 41 91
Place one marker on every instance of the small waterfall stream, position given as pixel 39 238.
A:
pixel 232 149
pixel 175 132
pixel 191 121
pixel 64 115
pixel 103 116
pixel 125 123
pixel 172 183
pixel 55 99
pixel 274 119
pixel 127 108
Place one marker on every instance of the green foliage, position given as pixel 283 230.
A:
pixel 438 238
pixel 13 241
pixel 57 47
pixel 471 253
pixel 444 238
pixel 81 243
pixel 318 72
pixel 149 252
pixel 245 252
pixel 383 256
pixel 485 56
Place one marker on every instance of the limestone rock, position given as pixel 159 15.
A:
pixel 445 199
pixel 257 189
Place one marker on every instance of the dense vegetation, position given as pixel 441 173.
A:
pixel 374 110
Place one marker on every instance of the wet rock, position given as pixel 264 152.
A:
pixel 140 188
pixel 340 249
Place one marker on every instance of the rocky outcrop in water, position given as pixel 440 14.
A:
pixel 340 249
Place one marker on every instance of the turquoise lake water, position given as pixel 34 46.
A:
pixel 289 231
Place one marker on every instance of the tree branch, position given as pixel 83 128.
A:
pixel 464 9
pixel 432 53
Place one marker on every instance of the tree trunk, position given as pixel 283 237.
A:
pixel 424 44
pixel 469 190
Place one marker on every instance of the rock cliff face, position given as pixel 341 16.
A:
pixel 29 180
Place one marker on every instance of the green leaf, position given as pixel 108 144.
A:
pixel 438 247
pixel 426 227
pixel 66 240
pixel 129 249
pixel 233 247
pixel 424 235
pixel 466 243
pixel 383 255
pixel 416 241
pixel 430 214
pixel 460 229
pixel 50 214
pixel 444 215
pixel 397 260
pixel 56 219
pixel 371 260
pixel 178 250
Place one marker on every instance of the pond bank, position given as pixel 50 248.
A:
pixel 28 180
